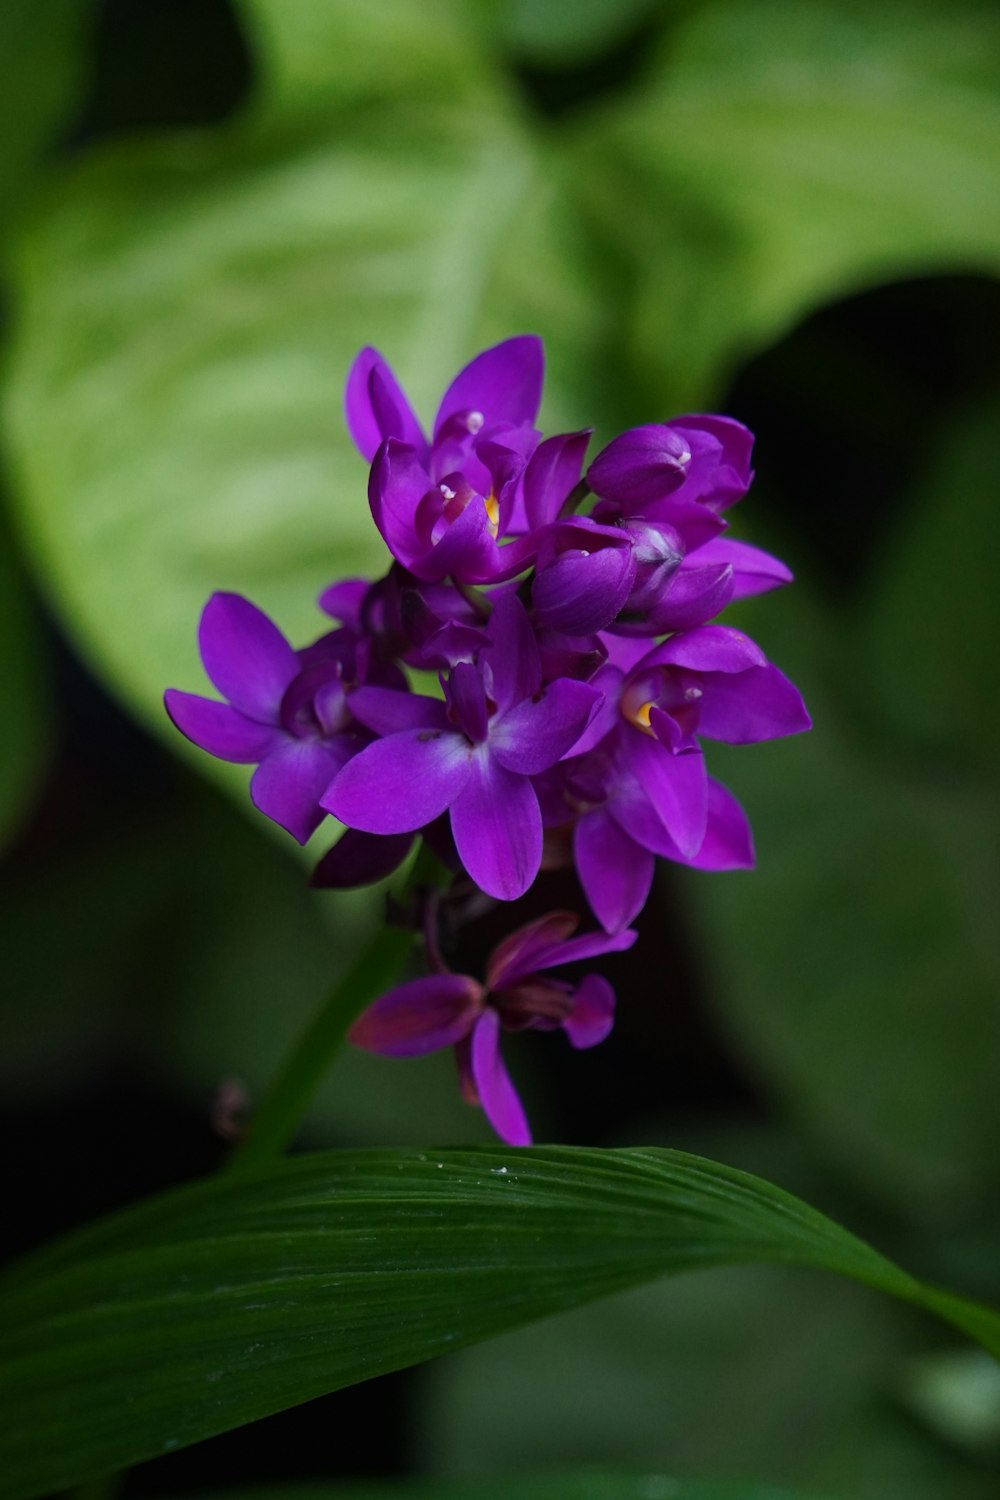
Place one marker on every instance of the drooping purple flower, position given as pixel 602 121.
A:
pixel 472 755
pixel 456 1010
pixel 286 711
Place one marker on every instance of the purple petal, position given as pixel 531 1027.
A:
pixel 497 826
pixel 575 949
pixel 219 729
pixel 693 596
pixel 728 841
pixel 719 473
pixel 754 571
pixel 246 656
pixel 676 786
pixel 743 707
pixel 608 680
pixel 497 1094
pixel 710 648
pixel 400 783
pixel 615 872
pixel 641 466
pixel 420 1016
pixel 513 956
pixel 466 698
pixel 580 591
pixel 397 484
pixel 360 859
pixel 288 785
pixel 389 711
pixel 504 383
pixel 552 473
pixel 513 653
pixel 539 731
pixel 343 600
pixel 376 408
pixel 593 1013
pixel 467 551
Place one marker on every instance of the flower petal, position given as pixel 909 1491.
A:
pixel 512 653
pixel 537 732
pixel 219 729
pixel 513 956
pixel 579 591
pixel 288 785
pixel 497 1094
pixel 641 466
pixel 754 571
pixel 420 1016
pixel 593 1014
pixel 400 783
pixel 743 707
pixel 497 826
pixel 728 841
pixel 389 710
pixel 553 471
pixel 396 485
pixel 710 648
pixel 246 656
pixel 504 383
pixel 376 408
pixel 676 786
pixel 615 872
pixel 360 859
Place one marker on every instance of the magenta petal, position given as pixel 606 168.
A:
pixel 539 731
pixel 676 786
pixel 615 872
pixel 497 1094
pixel 376 414
pixel 504 383
pixel 246 656
pixel 552 473
pixel 743 707
pixel 288 785
pixel 400 783
pixel 219 729
pixel 360 859
pixel 593 1014
pixel 497 826
pixel 420 1016
pixel 754 571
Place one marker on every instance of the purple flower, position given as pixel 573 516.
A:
pixel 455 1010
pixel 711 681
pixel 286 711
pixel 472 755
pixel 704 458
pixel 442 505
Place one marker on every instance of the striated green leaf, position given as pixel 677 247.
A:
pixel 217 1304
pixel 781 154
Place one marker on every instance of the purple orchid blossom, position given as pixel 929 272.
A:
pixel 472 755
pixel 286 711
pixel 442 505
pixel 456 1010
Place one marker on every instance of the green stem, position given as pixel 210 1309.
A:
pixel 276 1120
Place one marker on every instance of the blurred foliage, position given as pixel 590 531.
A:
pixel 672 194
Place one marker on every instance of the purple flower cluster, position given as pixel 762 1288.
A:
pixel 567 615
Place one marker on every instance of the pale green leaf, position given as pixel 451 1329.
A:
pixel 217 1304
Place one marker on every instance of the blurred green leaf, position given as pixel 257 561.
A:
pixel 211 1306
pixel 189 310
pixel 25 745
pixel 575 1484
pixel 856 967
pixel 41 57
pixel 781 154
pixel 935 667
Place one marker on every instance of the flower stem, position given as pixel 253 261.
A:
pixel 376 969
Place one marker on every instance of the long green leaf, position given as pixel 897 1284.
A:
pixel 221 1303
